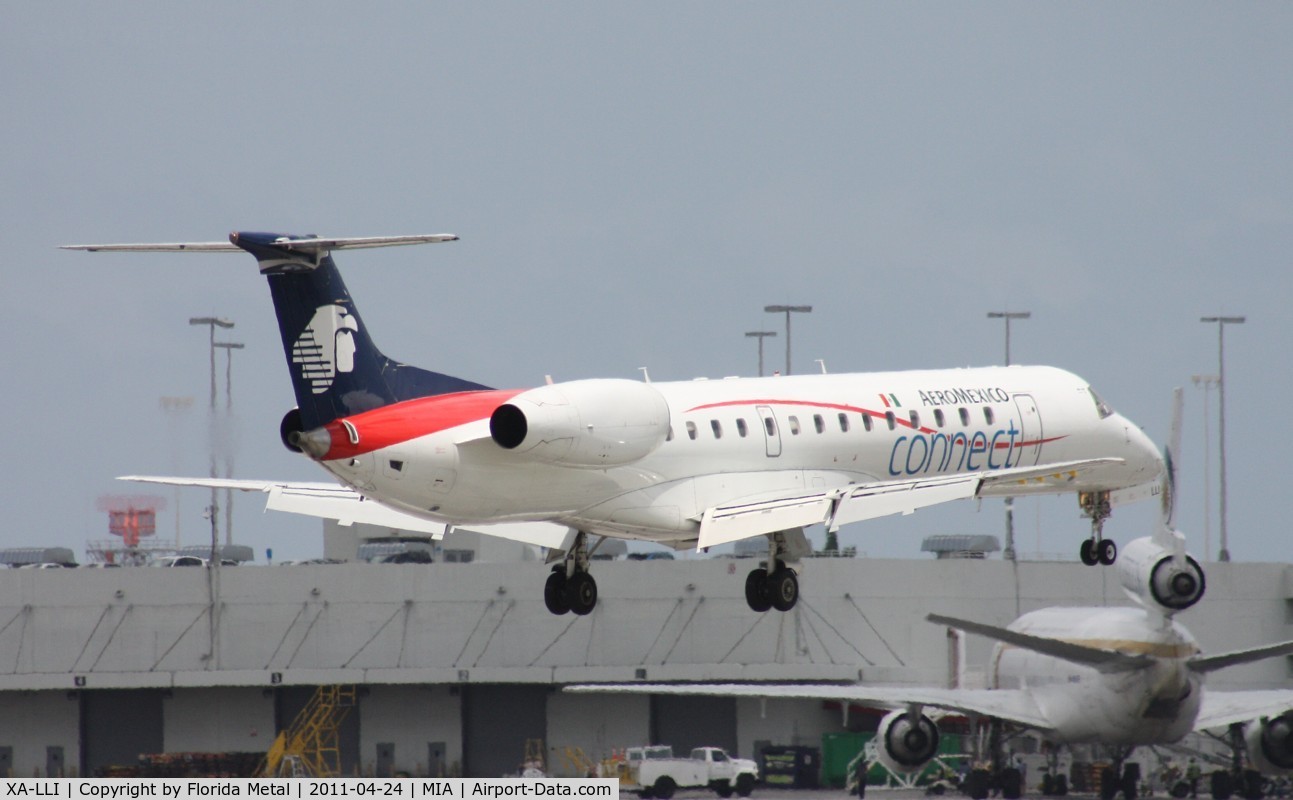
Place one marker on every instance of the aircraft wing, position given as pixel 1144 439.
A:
pixel 1008 704
pixel 838 506
pixel 334 501
pixel 1220 709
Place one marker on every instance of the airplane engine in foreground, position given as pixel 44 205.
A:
pixel 1150 574
pixel 1270 743
pixel 592 423
pixel 904 746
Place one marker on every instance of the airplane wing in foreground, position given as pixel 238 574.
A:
pixel 841 505
pixel 1008 704
pixel 333 501
pixel 1220 708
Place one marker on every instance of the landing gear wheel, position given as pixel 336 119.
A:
pixel 1088 553
pixel 581 593
pixel 756 590
pixel 554 592
pixel 1107 551
pixel 783 588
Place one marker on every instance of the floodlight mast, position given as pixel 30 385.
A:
pixel 788 310
pixel 1222 322
pixel 1009 553
pixel 760 335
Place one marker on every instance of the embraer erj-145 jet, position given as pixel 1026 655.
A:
pixel 696 463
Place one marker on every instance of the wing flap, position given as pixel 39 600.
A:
pixel 730 523
pixel 901 497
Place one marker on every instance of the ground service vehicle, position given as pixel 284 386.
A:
pixel 655 773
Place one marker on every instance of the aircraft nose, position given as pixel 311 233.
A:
pixel 1142 454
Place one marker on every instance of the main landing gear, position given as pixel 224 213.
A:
pixel 1097 549
pixel 773 585
pixel 571 587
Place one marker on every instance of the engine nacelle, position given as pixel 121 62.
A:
pixel 289 430
pixel 1270 743
pixel 904 746
pixel 1151 575
pixel 592 423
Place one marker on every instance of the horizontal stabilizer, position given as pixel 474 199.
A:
pixel 1236 657
pixel 311 244
pixel 1102 660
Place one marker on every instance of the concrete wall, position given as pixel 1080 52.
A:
pixel 32 721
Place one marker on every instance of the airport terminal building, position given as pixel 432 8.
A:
pixel 459 665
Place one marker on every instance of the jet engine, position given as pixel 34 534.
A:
pixel 1270 743
pixel 592 423
pixel 1150 573
pixel 905 746
pixel 289 430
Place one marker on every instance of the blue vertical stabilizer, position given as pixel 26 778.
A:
pixel 335 367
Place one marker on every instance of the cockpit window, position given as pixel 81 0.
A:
pixel 1101 407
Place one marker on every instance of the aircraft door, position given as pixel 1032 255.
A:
pixel 1030 432
pixel 771 431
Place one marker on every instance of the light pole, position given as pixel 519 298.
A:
pixel 1007 316
pixel 1222 322
pixel 212 323
pixel 1009 552
pixel 760 335
pixel 174 407
pixel 1207 382
pixel 788 310
pixel 228 348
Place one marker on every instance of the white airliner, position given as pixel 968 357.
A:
pixel 687 464
pixel 1115 676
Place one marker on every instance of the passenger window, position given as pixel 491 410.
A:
pixel 794 426
pixel 987 415
pixel 915 420
pixel 691 430
pixel 741 430
pixel 889 418
pixel 717 428
pixel 938 417
pixel 844 422
pixel 770 425
pixel 819 423
pixel 669 436
pixel 866 422
pixel 965 417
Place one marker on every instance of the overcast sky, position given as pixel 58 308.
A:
pixel 632 184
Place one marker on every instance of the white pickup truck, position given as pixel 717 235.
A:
pixel 654 773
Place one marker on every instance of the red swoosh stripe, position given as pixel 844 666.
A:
pixel 402 422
